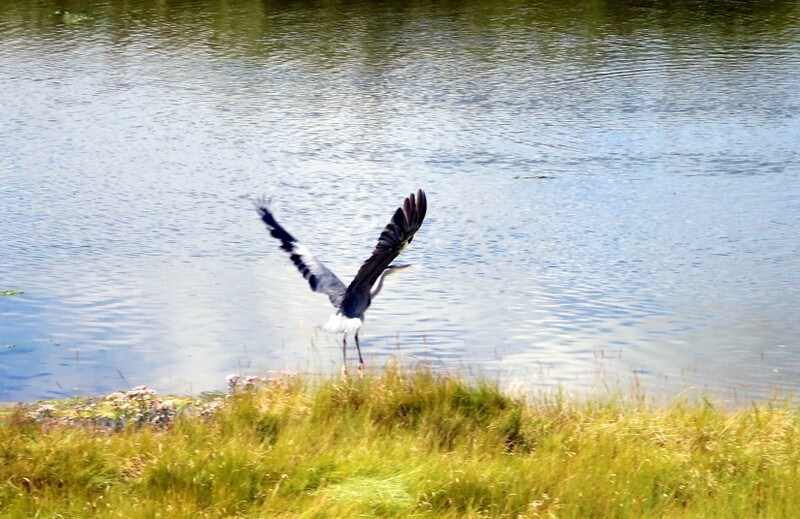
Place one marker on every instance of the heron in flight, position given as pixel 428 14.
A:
pixel 352 301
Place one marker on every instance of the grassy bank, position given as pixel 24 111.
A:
pixel 397 444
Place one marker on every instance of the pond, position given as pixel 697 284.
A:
pixel 613 191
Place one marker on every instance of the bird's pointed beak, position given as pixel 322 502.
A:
pixel 395 268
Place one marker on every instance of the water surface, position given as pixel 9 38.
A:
pixel 614 190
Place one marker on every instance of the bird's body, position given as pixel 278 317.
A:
pixel 352 301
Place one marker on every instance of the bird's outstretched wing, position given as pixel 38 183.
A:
pixel 318 276
pixel 395 236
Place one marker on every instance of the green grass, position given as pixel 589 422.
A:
pixel 398 444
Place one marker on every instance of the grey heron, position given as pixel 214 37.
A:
pixel 352 301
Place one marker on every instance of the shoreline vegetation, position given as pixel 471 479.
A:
pixel 397 443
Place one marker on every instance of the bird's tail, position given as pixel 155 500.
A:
pixel 337 323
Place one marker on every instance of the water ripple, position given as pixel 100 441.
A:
pixel 610 196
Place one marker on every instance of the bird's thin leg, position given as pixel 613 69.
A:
pixel 360 360
pixel 344 356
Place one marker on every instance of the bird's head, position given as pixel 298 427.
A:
pixel 392 269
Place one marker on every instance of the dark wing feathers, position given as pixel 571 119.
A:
pixel 318 276
pixel 395 236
